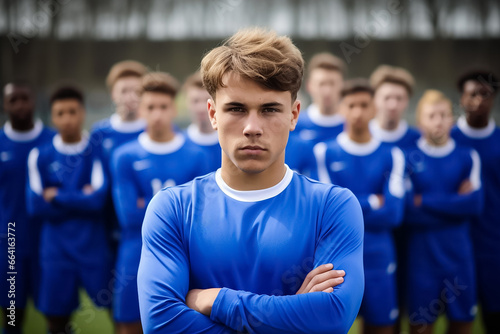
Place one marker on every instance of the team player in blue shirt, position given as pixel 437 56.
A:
pixel 254 246
pixel 200 131
pixel 373 171
pixel 446 195
pixel 477 129
pixel 321 121
pixel 67 187
pixel 19 135
pixel 159 157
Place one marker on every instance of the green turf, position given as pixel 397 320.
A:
pixel 89 320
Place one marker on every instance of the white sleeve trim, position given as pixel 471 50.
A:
pixel 35 181
pixel 475 173
pixel 396 179
pixel 320 154
pixel 97 177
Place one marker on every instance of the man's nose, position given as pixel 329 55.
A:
pixel 253 124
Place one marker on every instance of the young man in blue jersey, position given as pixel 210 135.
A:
pixel 200 131
pixel 67 187
pixel 251 247
pixel 477 129
pixel 159 157
pixel 393 88
pixel 373 171
pixel 321 121
pixel 18 233
pixel 446 195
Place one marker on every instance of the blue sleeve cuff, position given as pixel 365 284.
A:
pixel 224 309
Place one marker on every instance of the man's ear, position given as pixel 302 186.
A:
pixel 295 114
pixel 212 113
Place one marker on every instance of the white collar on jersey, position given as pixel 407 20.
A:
pixel 436 151
pixel 351 147
pixel 388 136
pixel 202 139
pixel 476 133
pixel 161 148
pixel 323 120
pixel 126 127
pixel 21 136
pixel 71 148
pixel 254 195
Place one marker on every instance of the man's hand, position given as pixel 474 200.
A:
pixel 465 187
pixel 417 201
pixel 87 189
pixel 201 300
pixel 49 194
pixel 323 278
pixel 381 199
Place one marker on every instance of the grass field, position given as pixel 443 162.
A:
pixel 89 320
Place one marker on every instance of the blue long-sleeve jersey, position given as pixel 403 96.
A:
pixel 439 227
pixel 141 168
pixel 403 136
pixel 73 228
pixel 315 127
pixel 14 149
pixel 299 157
pixel 485 228
pixel 257 246
pixel 208 143
pixel 367 170
pixel 110 133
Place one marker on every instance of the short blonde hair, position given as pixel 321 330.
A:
pixel 391 74
pixel 431 96
pixel 193 81
pixel 259 55
pixel 159 82
pixel 327 61
pixel 126 68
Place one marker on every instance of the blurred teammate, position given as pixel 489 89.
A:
pixel 446 195
pixel 200 131
pixel 158 158
pixel 67 191
pixel 477 129
pixel 124 125
pixel 20 134
pixel 374 173
pixel 393 88
pixel 231 251
pixel 321 120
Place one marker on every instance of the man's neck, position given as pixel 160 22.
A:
pixel 437 141
pixel 360 137
pixel 72 138
pixel 327 111
pixel 388 124
pixel 240 180
pixel 477 122
pixel 161 137
pixel 23 126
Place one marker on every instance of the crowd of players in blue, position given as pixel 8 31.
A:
pixel 429 196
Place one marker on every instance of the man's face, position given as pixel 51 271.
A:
pixel 477 98
pixel 253 123
pixel 436 121
pixel 324 86
pixel 125 95
pixel 197 104
pixel 19 103
pixel 68 116
pixel 391 101
pixel 358 109
pixel 159 111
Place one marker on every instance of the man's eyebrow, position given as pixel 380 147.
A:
pixel 272 104
pixel 265 105
pixel 234 104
